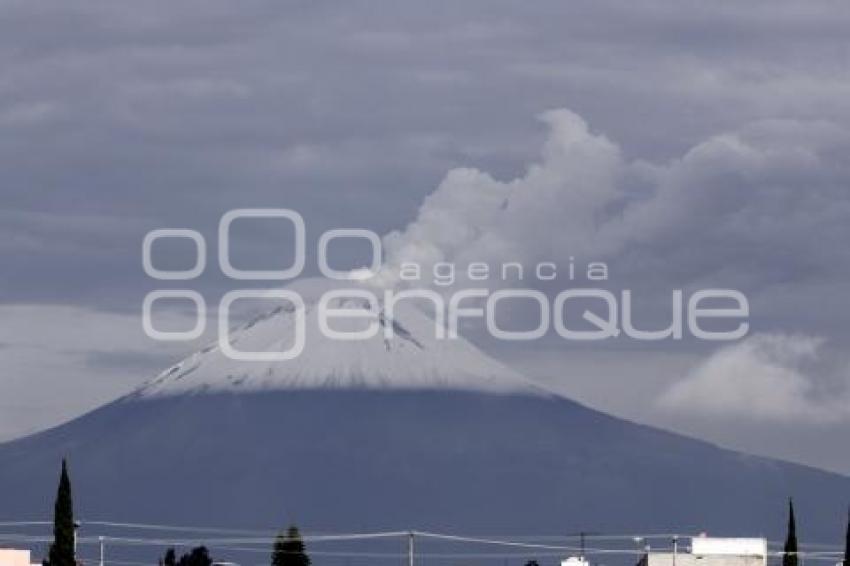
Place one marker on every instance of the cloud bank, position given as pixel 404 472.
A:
pixel 768 377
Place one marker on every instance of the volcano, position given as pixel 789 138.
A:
pixel 409 432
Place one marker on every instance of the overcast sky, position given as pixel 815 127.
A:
pixel 686 144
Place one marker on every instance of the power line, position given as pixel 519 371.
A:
pixel 174 528
pixel 824 552
pixel 269 534
pixel 519 544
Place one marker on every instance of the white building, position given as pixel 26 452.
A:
pixel 575 561
pixel 13 557
pixel 707 551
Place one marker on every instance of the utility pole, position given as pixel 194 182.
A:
pixel 675 548
pixel 100 540
pixel 77 525
pixel 410 548
pixel 582 536
pixel 638 541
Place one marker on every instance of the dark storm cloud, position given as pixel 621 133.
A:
pixel 168 114
pixel 728 122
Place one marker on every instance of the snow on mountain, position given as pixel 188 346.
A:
pixel 392 435
pixel 412 358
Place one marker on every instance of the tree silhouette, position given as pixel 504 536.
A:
pixel 62 549
pixel 199 556
pixel 789 557
pixel 289 549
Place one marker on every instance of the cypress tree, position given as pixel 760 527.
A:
pixel 789 557
pixel 847 542
pixel 62 549
pixel 289 549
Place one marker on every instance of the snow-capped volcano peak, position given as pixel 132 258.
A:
pixel 412 358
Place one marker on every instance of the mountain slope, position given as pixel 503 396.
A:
pixel 359 459
pixel 407 433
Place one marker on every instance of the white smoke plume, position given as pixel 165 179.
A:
pixel 754 202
